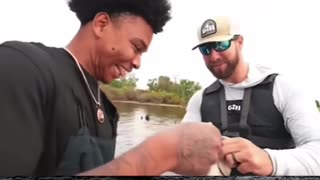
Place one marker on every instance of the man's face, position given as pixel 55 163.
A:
pixel 222 63
pixel 120 48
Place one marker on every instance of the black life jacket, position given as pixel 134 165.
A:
pixel 255 117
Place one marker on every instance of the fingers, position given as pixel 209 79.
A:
pixel 244 168
pixel 199 147
pixel 213 157
pixel 238 160
pixel 217 142
pixel 234 159
pixel 241 156
pixel 230 148
pixel 235 140
pixel 214 130
pixel 216 139
pixel 229 159
pixel 232 145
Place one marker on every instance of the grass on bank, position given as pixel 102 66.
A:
pixel 143 96
pixel 161 90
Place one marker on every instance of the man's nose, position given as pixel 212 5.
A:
pixel 136 61
pixel 214 55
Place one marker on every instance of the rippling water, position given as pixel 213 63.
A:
pixel 133 127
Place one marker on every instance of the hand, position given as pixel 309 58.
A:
pixel 186 149
pixel 198 147
pixel 246 157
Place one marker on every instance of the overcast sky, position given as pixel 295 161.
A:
pixel 280 33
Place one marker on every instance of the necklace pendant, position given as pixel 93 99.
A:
pixel 100 115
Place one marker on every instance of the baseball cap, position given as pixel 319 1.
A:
pixel 219 28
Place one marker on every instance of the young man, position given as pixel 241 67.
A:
pixel 273 124
pixel 56 121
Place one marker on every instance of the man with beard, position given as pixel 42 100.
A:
pixel 273 126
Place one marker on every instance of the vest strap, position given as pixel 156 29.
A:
pixel 223 110
pixel 244 128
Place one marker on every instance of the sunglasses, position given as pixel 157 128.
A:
pixel 206 49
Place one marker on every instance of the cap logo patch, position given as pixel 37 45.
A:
pixel 209 27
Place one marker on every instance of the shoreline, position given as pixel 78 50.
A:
pixel 149 104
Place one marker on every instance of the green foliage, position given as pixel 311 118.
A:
pixel 129 82
pixel 184 89
pixel 152 84
pixel 161 97
pixel 188 88
pixel 160 90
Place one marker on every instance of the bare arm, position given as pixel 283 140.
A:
pixel 186 149
pixel 147 159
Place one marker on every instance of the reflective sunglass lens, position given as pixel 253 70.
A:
pixel 205 50
pixel 222 46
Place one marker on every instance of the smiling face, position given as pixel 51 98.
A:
pixel 119 44
pixel 222 64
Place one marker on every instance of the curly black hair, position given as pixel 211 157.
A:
pixel 155 12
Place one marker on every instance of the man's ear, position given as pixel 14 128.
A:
pixel 100 23
pixel 240 41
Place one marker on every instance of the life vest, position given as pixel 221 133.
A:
pixel 255 117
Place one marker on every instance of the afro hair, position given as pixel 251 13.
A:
pixel 155 12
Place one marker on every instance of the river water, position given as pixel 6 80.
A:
pixel 133 127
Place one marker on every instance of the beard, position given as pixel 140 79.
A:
pixel 224 73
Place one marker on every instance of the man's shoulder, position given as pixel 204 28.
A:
pixel 199 92
pixel 30 59
pixel 21 45
pixel 196 98
pixel 287 84
pixel 285 81
pixel 25 47
pixel 33 51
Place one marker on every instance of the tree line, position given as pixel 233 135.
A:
pixel 160 90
